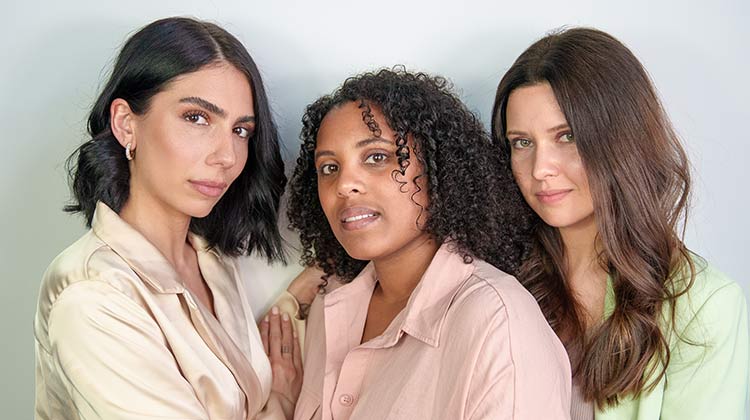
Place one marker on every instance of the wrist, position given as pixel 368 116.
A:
pixel 287 405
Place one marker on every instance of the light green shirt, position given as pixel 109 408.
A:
pixel 707 380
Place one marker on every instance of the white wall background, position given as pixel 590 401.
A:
pixel 55 55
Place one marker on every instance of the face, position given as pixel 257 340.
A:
pixel 192 142
pixel 372 215
pixel 545 159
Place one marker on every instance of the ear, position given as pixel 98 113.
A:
pixel 122 122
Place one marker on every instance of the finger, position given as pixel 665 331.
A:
pixel 297 355
pixel 264 326
pixel 287 337
pixel 274 334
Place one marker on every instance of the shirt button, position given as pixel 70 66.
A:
pixel 346 400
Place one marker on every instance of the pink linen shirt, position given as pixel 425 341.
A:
pixel 471 343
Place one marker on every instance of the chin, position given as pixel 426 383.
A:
pixel 199 210
pixel 360 251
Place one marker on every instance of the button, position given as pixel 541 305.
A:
pixel 346 399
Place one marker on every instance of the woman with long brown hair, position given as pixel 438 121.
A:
pixel 652 330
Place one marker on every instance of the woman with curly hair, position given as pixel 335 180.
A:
pixel 146 315
pixel 653 331
pixel 399 196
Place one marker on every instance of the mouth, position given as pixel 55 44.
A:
pixel 552 196
pixel 212 189
pixel 355 218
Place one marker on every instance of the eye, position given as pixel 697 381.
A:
pixel 520 143
pixel 243 132
pixel 376 158
pixel 567 138
pixel 328 169
pixel 196 117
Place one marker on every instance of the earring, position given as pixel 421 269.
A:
pixel 128 153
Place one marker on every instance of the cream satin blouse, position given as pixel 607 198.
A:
pixel 118 336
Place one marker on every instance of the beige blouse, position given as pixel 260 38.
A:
pixel 118 336
pixel 470 344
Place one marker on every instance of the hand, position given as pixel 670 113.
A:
pixel 306 285
pixel 281 344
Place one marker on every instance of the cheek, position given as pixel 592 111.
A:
pixel 166 156
pixel 327 198
pixel 522 174
pixel 242 154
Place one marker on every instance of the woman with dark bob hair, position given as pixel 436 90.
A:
pixel 145 316
pixel 399 196
pixel 652 330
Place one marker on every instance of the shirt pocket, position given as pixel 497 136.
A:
pixel 308 406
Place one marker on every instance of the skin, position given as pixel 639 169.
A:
pixel 552 178
pixel 355 181
pixel 188 147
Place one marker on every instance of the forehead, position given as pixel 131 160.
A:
pixel 533 105
pixel 344 126
pixel 221 84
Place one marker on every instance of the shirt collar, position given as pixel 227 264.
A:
pixel 425 312
pixel 140 254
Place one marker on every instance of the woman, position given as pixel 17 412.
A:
pixel 397 193
pixel 145 316
pixel 652 330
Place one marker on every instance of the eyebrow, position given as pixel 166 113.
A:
pixel 371 140
pixel 558 127
pixel 215 109
pixel 361 143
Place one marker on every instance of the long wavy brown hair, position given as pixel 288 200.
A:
pixel 640 183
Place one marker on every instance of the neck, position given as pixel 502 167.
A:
pixel 583 273
pixel 165 228
pixel 580 242
pixel 399 273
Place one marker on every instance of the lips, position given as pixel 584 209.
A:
pixel 552 196
pixel 355 218
pixel 208 188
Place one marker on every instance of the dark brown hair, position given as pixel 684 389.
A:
pixel 640 182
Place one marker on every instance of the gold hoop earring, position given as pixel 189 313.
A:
pixel 128 152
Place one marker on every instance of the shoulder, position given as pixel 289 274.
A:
pixel 710 290
pixel 519 353
pixel 709 306
pixel 489 288
pixel 87 272
pixel 495 301
pixel 89 258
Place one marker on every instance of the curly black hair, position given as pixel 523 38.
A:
pixel 474 202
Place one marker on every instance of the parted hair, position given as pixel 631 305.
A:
pixel 639 178
pixel 245 219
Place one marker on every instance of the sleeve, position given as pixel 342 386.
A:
pixel 707 375
pixel 287 303
pixel 113 359
pixel 522 373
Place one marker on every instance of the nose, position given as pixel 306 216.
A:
pixel 546 162
pixel 223 153
pixel 349 183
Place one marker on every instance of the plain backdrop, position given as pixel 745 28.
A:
pixel 56 55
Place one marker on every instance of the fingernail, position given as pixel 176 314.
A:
pixel 265 318
pixel 275 310
pixel 285 316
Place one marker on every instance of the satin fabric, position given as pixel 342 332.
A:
pixel 118 336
